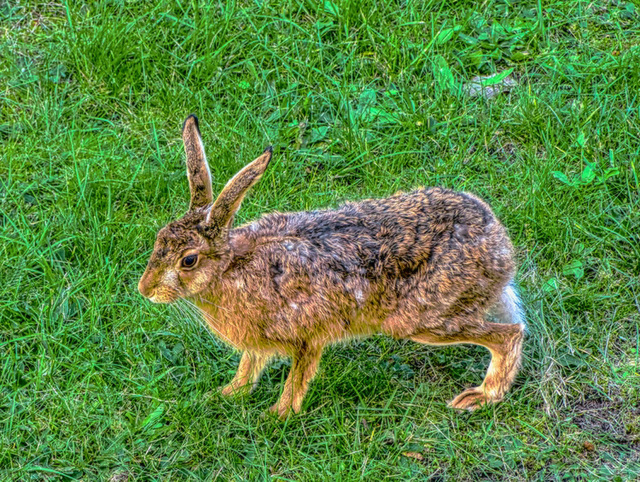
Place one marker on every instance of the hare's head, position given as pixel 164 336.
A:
pixel 190 254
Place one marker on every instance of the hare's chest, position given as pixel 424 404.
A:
pixel 217 320
pixel 240 317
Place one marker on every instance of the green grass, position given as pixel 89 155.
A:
pixel 360 99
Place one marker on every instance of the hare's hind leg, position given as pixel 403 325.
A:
pixel 303 368
pixel 504 341
pixel 505 344
pixel 248 374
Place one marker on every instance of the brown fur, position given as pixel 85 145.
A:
pixel 425 265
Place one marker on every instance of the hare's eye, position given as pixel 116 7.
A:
pixel 189 261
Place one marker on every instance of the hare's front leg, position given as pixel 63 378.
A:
pixel 504 341
pixel 248 374
pixel 303 368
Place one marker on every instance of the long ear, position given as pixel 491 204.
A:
pixel 197 167
pixel 228 202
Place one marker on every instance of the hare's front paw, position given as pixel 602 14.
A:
pixel 471 399
pixel 235 390
pixel 282 411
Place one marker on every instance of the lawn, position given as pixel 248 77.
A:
pixel 360 99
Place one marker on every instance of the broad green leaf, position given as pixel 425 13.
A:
pixel 581 140
pixel 562 177
pixel 324 26
pixel 367 97
pixel 446 34
pixel 474 58
pixel 574 268
pixel 550 285
pixel 153 417
pixel 496 79
pixel 252 69
pixel 468 39
pixel 588 175
pixel 318 133
pixel 570 361
pixel 518 55
pixel 383 116
pixel 443 74
pixel 611 172
pixel 432 124
pixel 331 8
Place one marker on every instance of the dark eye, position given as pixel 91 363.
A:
pixel 189 261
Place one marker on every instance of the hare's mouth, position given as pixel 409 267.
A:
pixel 163 297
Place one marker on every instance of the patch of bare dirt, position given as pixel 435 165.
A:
pixel 611 416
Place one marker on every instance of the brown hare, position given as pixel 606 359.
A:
pixel 433 266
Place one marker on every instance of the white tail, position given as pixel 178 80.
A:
pixel 509 308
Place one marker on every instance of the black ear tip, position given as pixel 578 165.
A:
pixel 269 149
pixel 195 119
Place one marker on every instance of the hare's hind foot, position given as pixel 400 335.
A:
pixel 504 341
pixel 471 399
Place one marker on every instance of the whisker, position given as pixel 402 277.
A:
pixel 183 314
pixel 203 314
pixel 203 300
pixel 192 318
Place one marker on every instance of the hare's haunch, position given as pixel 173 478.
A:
pixel 433 265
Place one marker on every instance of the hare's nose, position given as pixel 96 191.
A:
pixel 143 287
